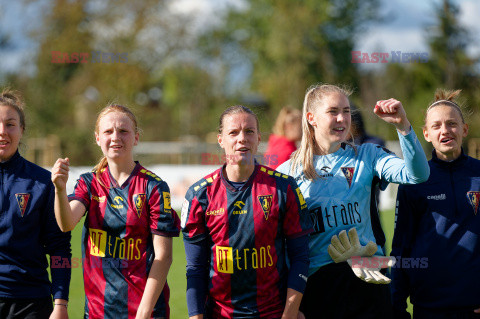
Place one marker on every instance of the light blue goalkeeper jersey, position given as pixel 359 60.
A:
pixel 340 198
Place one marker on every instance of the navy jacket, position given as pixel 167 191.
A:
pixel 28 231
pixel 437 237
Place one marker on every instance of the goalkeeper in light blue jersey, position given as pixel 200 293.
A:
pixel 336 180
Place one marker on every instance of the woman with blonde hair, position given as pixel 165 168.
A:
pixel 335 178
pixel 437 226
pixel 129 224
pixel 286 132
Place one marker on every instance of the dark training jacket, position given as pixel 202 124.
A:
pixel 437 234
pixel 28 231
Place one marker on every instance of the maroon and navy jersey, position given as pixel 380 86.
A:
pixel 246 231
pixel 117 245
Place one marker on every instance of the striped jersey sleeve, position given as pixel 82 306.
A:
pixel 81 191
pixel 163 219
pixel 296 222
pixel 193 214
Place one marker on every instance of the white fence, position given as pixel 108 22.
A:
pixel 180 177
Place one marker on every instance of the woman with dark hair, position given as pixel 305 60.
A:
pixel 239 223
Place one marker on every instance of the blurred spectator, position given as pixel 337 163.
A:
pixel 286 131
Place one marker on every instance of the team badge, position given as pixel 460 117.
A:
pixel 348 172
pixel 474 198
pixel 139 201
pixel 266 203
pixel 22 200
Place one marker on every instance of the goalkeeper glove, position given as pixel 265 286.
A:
pixel 344 247
pixel 368 268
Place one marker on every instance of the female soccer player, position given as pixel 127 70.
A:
pixel 126 242
pixel 437 230
pixel 336 180
pixel 239 223
pixel 28 230
pixel 286 131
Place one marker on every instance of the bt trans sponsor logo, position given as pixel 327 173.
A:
pixel 103 245
pixel 228 259
pixel 86 57
pixel 393 57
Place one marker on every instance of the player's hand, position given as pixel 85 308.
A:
pixel 59 312
pixel 368 268
pixel 392 111
pixel 477 310
pixel 344 247
pixel 60 173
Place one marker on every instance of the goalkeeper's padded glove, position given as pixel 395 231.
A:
pixel 368 268
pixel 344 247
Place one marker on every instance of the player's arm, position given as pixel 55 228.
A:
pixel 414 169
pixel 294 298
pixel 297 226
pixel 67 214
pixel 297 249
pixel 59 309
pixel 157 277
pixel 57 245
pixel 197 277
pixel 196 250
pixel 403 233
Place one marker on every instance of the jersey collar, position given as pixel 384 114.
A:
pixel 114 183
pixel 247 183
pixel 457 162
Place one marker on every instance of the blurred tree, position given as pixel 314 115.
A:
pixel 155 49
pixel 283 47
pixel 414 84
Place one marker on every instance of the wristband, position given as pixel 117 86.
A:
pixel 61 304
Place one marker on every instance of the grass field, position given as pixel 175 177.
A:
pixel 176 276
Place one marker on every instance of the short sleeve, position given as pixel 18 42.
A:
pixel 163 219
pixel 81 191
pixel 297 222
pixel 193 215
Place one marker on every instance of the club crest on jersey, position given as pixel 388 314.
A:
pixel 22 200
pixel 474 198
pixel 266 203
pixel 139 201
pixel 348 172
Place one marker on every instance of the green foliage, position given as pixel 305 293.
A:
pixel 264 54
pixel 291 46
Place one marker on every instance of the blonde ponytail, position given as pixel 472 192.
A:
pixel 303 157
